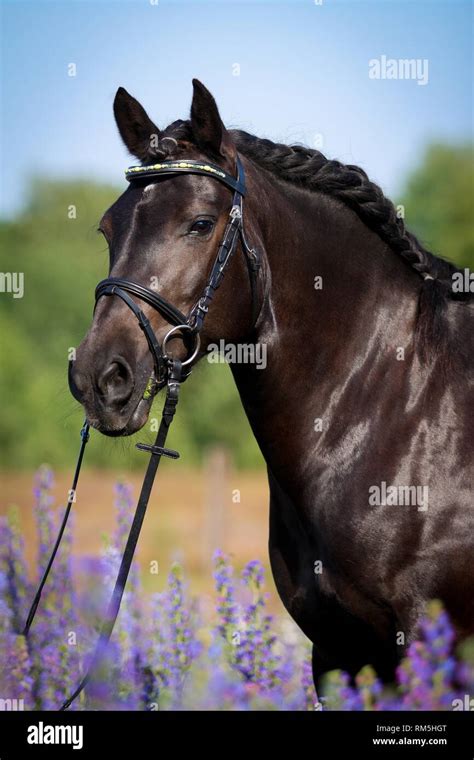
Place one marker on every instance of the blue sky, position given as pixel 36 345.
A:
pixel 303 73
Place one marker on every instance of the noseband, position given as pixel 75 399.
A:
pixel 190 326
pixel 166 370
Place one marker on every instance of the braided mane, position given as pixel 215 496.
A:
pixel 350 184
pixel 310 169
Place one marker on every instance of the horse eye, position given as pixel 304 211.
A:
pixel 201 227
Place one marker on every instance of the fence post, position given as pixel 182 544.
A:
pixel 216 503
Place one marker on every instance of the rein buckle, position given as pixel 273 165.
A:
pixel 171 453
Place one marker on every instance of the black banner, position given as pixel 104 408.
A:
pixel 384 734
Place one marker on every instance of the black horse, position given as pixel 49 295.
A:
pixel 362 413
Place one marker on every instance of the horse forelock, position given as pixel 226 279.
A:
pixel 171 143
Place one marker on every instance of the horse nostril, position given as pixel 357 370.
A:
pixel 115 384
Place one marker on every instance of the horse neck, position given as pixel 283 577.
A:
pixel 318 339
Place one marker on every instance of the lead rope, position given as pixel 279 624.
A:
pixel 157 450
pixel 71 500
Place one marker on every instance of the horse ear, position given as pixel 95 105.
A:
pixel 136 128
pixel 208 130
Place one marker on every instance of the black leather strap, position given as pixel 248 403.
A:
pixel 71 500
pixel 109 288
pixel 164 307
pixel 224 254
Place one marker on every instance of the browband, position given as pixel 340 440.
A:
pixel 188 167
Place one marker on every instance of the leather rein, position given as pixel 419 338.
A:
pixel 166 370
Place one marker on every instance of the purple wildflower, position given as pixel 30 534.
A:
pixel 426 674
pixel 226 605
pixel 161 656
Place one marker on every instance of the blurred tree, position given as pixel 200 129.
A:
pixel 439 202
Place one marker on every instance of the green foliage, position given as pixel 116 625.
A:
pixel 439 202
pixel 63 259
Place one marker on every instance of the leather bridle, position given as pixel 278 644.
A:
pixel 167 370
pixel 192 323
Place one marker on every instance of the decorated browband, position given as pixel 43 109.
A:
pixel 188 167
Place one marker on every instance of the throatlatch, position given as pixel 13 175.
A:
pixel 166 370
